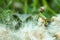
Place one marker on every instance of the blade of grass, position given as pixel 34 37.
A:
pixel 35 3
pixel 25 6
pixel 9 3
pixel 48 8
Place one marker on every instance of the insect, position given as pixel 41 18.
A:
pixel 41 9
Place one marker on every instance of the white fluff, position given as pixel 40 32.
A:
pixel 35 32
pixel 28 31
pixel 54 27
pixel 6 34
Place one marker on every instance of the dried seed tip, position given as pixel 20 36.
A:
pixel 53 18
pixel 40 20
pixel 42 9
pixel 57 35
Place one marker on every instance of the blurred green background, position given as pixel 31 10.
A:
pixel 11 8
